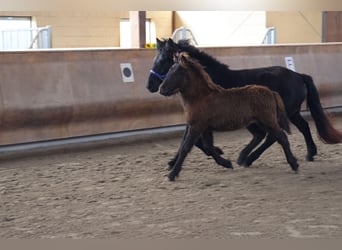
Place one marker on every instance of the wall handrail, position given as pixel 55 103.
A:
pixel 183 33
pixel 270 36
pixel 29 38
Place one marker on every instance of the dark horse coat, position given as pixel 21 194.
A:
pixel 293 87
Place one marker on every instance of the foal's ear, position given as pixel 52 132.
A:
pixel 183 58
pixel 176 57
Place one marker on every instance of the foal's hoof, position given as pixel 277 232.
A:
pixel 218 150
pixel 227 164
pixel 294 165
pixel 295 168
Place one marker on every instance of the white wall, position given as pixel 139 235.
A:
pixel 220 28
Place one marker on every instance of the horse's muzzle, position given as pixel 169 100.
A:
pixel 151 88
pixel 153 84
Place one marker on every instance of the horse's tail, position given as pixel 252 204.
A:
pixel 283 121
pixel 325 129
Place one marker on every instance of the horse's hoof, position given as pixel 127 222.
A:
pixel 246 163
pixel 240 161
pixel 309 158
pixel 171 177
pixel 171 163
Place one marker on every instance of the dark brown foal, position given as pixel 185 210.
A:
pixel 209 107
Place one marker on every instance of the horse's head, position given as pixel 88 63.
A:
pixel 176 77
pixel 161 64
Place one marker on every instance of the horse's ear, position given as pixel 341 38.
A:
pixel 171 44
pixel 160 44
pixel 171 41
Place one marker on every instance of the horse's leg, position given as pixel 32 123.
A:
pixel 283 141
pixel 304 128
pixel 200 145
pixel 187 143
pixel 258 135
pixel 207 138
pixel 270 139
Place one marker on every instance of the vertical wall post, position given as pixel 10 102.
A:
pixel 332 26
pixel 138 28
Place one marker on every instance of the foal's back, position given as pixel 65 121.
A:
pixel 235 108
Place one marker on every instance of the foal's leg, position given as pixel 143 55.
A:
pixel 199 144
pixel 187 143
pixel 304 128
pixel 207 137
pixel 172 162
pixel 258 135
pixel 270 139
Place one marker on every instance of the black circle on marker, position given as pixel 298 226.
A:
pixel 127 72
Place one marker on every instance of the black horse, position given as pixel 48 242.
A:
pixel 293 87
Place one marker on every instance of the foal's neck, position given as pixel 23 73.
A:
pixel 199 88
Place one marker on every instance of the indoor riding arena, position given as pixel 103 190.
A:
pixel 85 146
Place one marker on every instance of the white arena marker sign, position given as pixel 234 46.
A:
pixel 127 72
pixel 290 63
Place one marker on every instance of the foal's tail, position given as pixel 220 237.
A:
pixel 283 121
pixel 325 129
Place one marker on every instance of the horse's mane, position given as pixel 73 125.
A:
pixel 188 61
pixel 184 45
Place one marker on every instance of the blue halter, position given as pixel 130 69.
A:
pixel 161 77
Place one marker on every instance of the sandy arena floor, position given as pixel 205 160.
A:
pixel 118 190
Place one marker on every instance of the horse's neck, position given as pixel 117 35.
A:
pixel 219 72
pixel 206 60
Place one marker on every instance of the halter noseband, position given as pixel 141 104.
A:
pixel 161 77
